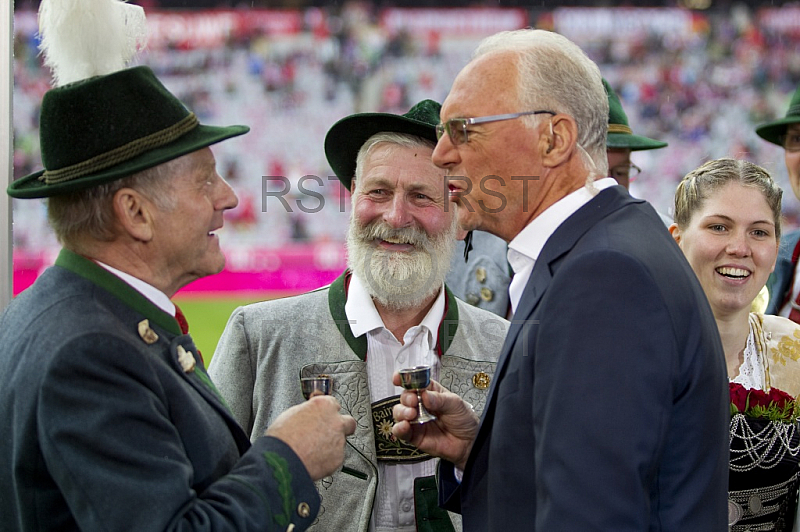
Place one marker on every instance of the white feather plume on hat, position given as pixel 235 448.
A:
pixel 85 38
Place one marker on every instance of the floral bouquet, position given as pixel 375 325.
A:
pixel 764 459
pixel 774 405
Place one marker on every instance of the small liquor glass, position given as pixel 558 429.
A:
pixel 418 378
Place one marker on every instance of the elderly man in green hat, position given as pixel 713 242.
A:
pixel 621 141
pixel 783 285
pixel 388 311
pixel 108 417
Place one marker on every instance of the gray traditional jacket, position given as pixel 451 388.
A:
pixel 268 346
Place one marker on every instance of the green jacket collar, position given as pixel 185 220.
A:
pixel 123 291
pixel 337 297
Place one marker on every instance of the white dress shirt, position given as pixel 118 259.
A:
pixel 153 294
pixel 525 248
pixel 394 500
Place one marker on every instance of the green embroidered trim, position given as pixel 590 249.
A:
pixel 200 371
pixel 123 291
pixel 280 470
pixel 429 517
pixel 337 297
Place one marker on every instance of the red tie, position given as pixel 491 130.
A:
pixel 794 315
pixel 184 325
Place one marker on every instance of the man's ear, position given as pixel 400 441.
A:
pixel 134 213
pixel 352 186
pixel 675 231
pixel 557 140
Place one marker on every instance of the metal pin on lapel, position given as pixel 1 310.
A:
pixel 185 359
pixel 147 334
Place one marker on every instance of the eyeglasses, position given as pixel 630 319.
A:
pixel 624 171
pixel 790 142
pixel 457 127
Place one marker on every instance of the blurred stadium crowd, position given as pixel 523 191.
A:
pixel 700 81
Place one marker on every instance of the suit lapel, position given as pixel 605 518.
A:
pixel 560 243
pixel 132 306
pixel 200 381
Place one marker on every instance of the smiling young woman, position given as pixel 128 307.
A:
pixel 727 222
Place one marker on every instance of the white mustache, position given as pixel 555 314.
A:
pixel 383 231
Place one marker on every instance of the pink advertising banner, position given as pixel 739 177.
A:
pixel 292 269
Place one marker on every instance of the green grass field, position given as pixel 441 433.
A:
pixel 207 318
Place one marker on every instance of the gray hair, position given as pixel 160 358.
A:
pixel 400 139
pixel 89 213
pixel 696 187
pixel 556 75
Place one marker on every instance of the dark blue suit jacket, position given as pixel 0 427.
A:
pixel 102 430
pixel 779 283
pixel 609 410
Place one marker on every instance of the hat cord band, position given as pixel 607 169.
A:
pixel 122 153
pixel 793 111
pixel 619 128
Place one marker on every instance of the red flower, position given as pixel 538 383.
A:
pixel 759 398
pixel 738 396
pixel 775 405
pixel 779 397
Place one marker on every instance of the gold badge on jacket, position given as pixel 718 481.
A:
pixel 147 334
pixel 387 447
pixel 481 380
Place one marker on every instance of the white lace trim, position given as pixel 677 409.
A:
pixel 751 372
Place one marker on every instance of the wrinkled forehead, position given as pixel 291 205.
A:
pixel 487 85
pixel 394 166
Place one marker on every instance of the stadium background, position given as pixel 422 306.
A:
pixel 697 74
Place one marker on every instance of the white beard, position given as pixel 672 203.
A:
pixel 400 280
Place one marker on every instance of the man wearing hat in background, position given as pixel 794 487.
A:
pixel 390 310
pixel 109 419
pixel 621 141
pixel 784 283
pixel 481 277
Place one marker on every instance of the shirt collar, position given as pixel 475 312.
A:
pixel 156 296
pixel 363 317
pixel 527 245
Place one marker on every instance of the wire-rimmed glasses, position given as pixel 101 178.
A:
pixel 456 128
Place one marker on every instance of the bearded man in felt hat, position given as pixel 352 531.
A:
pixel 389 310
pixel 784 290
pixel 109 419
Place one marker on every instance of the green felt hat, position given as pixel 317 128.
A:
pixel 346 137
pixel 108 127
pixel 772 131
pixel 620 134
